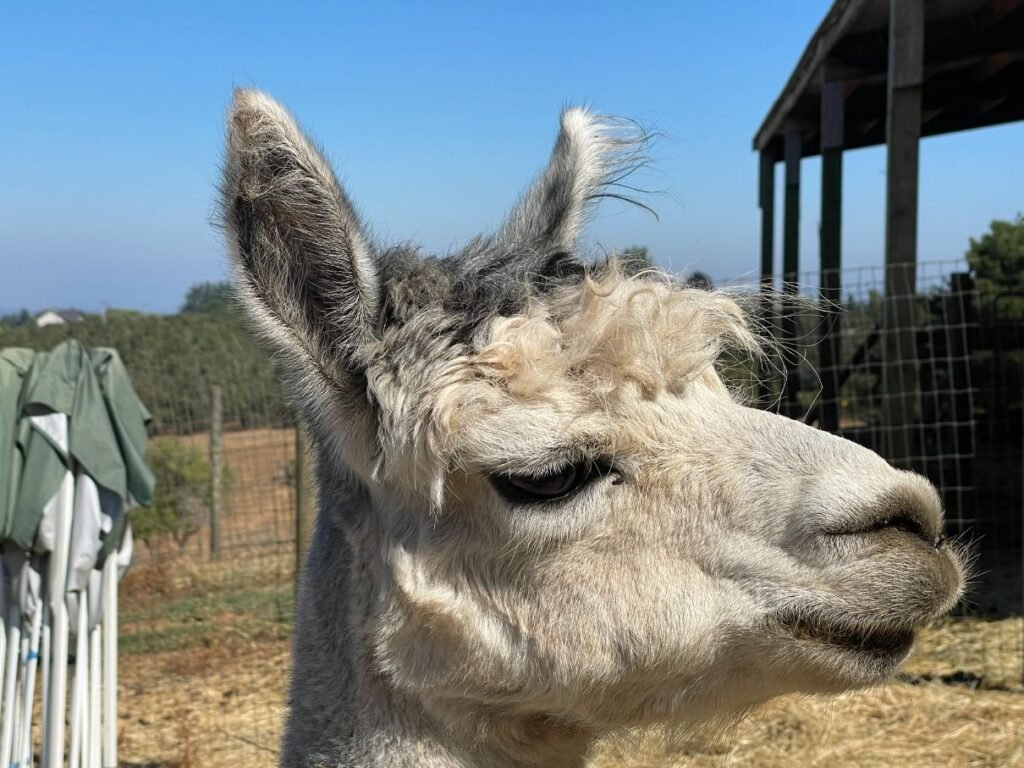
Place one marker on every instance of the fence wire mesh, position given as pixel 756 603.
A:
pixel 208 606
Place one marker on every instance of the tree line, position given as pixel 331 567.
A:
pixel 174 360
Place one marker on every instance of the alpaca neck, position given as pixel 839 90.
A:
pixel 345 713
pixel 400 732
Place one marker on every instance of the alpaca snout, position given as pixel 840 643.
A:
pixel 889 541
pixel 909 505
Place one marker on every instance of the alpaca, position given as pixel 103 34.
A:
pixel 543 518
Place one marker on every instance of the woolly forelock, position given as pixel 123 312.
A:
pixel 607 336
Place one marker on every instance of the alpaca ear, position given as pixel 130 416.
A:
pixel 303 267
pixel 592 156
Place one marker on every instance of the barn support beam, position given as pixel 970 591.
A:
pixel 766 201
pixel 903 133
pixel 792 151
pixel 832 98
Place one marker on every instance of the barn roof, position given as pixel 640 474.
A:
pixel 973 72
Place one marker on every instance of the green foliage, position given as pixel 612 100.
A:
pixel 181 500
pixel 997 260
pixel 635 259
pixel 700 280
pixel 997 263
pixel 209 297
pixel 245 613
pixel 16 319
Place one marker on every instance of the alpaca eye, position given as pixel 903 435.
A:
pixel 554 485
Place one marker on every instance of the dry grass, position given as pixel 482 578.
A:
pixel 896 725
pixel 977 652
pixel 201 708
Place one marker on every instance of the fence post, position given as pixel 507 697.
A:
pixel 216 467
pixel 305 498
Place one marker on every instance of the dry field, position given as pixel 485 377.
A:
pixel 204 661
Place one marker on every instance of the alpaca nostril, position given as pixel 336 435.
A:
pixel 912 508
pixel 903 521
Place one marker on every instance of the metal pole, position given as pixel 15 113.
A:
pixel 28 699
pixel 110 661
pixel 78 745
pixel 57 579
pixel 95 691
pixel 10 682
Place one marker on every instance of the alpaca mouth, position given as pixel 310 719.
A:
pixel 872 641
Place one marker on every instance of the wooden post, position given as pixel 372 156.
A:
pixel 792 151
pixel 305 499
pixel 766 201
pixel 216 467
pixel 832 98
pixel 903 133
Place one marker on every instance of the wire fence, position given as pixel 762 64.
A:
pixel 933 381
pixel 207 609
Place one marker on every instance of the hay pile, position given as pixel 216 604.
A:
pixel 978 652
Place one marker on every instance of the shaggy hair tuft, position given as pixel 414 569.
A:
pixel 613 330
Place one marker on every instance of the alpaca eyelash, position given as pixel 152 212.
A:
pixel 552 485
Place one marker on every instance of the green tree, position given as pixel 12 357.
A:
pixel 181 499
pixel 997 260
pixel 635 259
pixel 209 297
pixel 16 319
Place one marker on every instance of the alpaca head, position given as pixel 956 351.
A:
pixel 566 514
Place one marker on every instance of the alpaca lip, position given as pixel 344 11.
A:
pixel 866 640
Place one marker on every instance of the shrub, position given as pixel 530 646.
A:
pixel 181 499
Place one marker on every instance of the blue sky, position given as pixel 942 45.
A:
pixel 436 116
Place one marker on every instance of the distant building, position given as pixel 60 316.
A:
pixel 58 317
